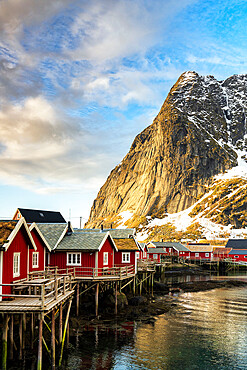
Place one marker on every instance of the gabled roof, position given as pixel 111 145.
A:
pixel 200 248
pixel 156 250
pixel 178 246
pixel 237 244
pixel 219 250
pixel 126 244
pixel 8 231
pixel 115 233
pixel 40 216
pixel 238 251
pixel 53 233
pixel 78 241
pixel 142 246
pixel 34 226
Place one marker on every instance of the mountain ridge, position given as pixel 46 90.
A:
pixel 199 132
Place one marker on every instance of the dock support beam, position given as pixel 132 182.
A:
pixel 116 298
pixel 11 338
pixel 39 363
pixel 20 335
pixel 77 299
pixel 5 341
pixel 60 324
pixel 97 300
pixel 64 332
pixel 53 343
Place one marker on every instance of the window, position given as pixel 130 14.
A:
pixel 105 258
pixel 245 256
pixel 155 256
pixel 16 265
pixel 35 259
pixel 236 256
pixel 74 259
pixel 137 254
pixel 125 257
pixel 197 255
pixel 206 254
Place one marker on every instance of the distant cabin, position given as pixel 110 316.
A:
pixel 39 216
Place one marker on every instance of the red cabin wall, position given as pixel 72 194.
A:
pixel 118 258
pixel 41 248
pixel 18 245
pixel 241 257
pixel 59 259
pixel 151 257
pixel 107 247
pixel 202 255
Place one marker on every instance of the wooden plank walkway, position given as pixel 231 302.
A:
pixel 21 305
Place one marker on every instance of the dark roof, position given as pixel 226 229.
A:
pixel 178 246
pixel 52 232
pixel 238 251
pixel 41 216
pixel 237 244
pixel 115 233
pixel 156 250
pixel 82 242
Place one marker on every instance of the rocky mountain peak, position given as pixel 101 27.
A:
pixel 198 133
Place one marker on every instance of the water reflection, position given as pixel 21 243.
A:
pixel 207 330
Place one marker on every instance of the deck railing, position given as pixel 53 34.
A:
pixel 93 273
pixel 46 291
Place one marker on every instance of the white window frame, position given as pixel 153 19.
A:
pixel 155 256
pixel 105 258
pixel 35 261
pixel 197 255
pixel 236 256
pixel 206 254
pixel 245 256
pixel 125 257
pixel 16 264
pixel 71 261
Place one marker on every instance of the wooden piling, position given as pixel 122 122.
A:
pixel 32 329
pixel 39 363
pixel 77 299
pixel 20 336
pixel 97 300
pixel 11 338
pixel 24 330
pixel 53 343
pixel 116 298
pixel 64 332
pixel 5 341
pixel 60 324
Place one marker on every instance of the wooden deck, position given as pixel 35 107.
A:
pixel 36 295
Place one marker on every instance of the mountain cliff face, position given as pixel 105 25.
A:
pixel 197 134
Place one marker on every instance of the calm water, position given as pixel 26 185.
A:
pixel 207 330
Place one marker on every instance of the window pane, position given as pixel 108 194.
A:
pixel 78 259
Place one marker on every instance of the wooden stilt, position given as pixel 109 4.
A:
pixel 5 341
pixel 77 299
pixel 11 338
pixel 67 336
pixel 97 300
pixel 24 330
pixel 21 336
pixel 53 342
pixel 64 332
pixel 39 363
pixel 32 329
pixel 152 278
pixel 60 324
pixel 116 298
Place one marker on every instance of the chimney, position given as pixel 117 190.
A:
pixel 69 230
pixel 101 227
pixel 111 226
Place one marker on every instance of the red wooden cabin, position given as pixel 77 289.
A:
pixel 38 258
pixel 200 251
pixel 221 252
pixel 143 251
pixel 127 252
pixel 15 243
pixel 171 248
pixel 238 255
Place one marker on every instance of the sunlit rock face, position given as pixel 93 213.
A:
pixel 195 136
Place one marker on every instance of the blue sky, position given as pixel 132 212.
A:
pixel 80 79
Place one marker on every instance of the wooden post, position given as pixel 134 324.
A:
pixel 24 330
pixel 67 335
pixel 116 298
pixel 32 329
pixel 56 288
pixel 77 299
pixel 39 363
pixel 53 343
pixel 152 292
pixel 60 324
pixel 11 337
pixel 5 341
pixel 64 332
pixel 97 300
pixel 20 335
pixel 134 286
